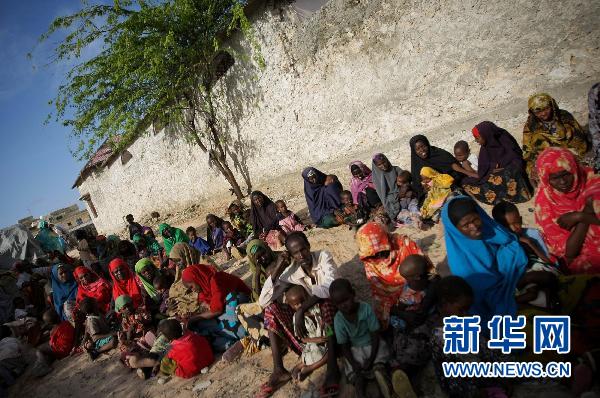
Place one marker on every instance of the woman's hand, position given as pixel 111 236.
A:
pixel 330 179
pixel 569 220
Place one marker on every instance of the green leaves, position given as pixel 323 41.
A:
pixel 136 61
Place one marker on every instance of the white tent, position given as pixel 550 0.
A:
pixel 17 243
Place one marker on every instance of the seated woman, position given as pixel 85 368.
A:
pixel 566 209
pixel 548 126
pixel 381 254
pixel 322 194
pixel 171 235
pixel 422 154
pixel 124 282
pixel 385 178
pixel 181 301
pixel 363 190
pixel 265 220
pixel 64 290
pixel 222 292
pixel 91 285
pixel 146 271
pixel 500 172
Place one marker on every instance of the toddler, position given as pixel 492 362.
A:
pixel 349 213
pixel 97 338
pixel 289 222
pixel 465 158
pixel 438 188
pixel 240 219
pixel 409 204
pixel 231 239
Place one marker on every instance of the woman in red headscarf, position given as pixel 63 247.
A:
pixel 567 208
pixel 91 285
pixel 222 292
pixel 124 282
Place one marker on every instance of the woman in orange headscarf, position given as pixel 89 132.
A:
pixel 382 253
pixel 567 208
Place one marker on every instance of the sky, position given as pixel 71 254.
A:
pixel 37 169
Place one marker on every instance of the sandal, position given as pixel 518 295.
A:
pixel 332 390
pixel 266 389
pixel 401 384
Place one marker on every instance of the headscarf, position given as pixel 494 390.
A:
pixel 356 184
pixel 438 159
pixel 265 217
pixel 385 185
pixel 148 285
pixel 176 236
pixel 383 273
pixel 550 204
pixel 122 301
pixel 439 190
pixel 500 149
pixel 62 291
pixel 128 286
pixel 99 290
pixel 321 200
pixel 492 265
pixel 188 256
pixel 251 249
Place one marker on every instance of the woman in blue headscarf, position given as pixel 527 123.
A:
pixel 322 194
pixel 486 255
pixel 64 288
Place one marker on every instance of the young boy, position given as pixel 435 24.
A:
pixel 148 363
pixel 231 240
pixel 357 331
pixel 162 283
pixel 318 324
pixel 467 160
pixel 454 297
pixel 134 227
pixel 97 338
pixel 197 242
pixel 409 204
pixel 62 336
pixel 189 352
pixel 412 317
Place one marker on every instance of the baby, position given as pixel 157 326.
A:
pixel 349 213
pixel 409 204
pixel 463 154
pixel 314 351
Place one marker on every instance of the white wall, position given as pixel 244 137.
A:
pixel 365 74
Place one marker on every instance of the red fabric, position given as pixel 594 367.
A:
pixel 128 286
pixel 62 338
pixel 214 285
pixel 192 353
pixel 550 204
pixel 475 132
pixel 99 289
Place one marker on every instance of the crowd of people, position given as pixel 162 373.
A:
pixel 169 309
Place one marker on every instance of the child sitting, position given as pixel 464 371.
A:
pixel 409 204
pixel 454 297
pixel 438 187
pixel 318 324
pixel 365 353
pixel 535 288
pixel 289 221
pixel 189 352
pixel 162 283
pixel 349 213
pixel 135 323
pixel 240 219
pixel 62 336
pixel 465 158
pixel 147 363
pixel 97 338
pixel 197 242
pixel 22 311
pixel 231 240
pixel 410 316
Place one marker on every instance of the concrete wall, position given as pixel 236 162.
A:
pixel 360 75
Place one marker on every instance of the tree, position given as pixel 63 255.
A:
pixel 157 65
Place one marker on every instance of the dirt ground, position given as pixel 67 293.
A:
pixel 79 377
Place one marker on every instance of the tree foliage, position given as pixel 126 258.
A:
pixel 155 65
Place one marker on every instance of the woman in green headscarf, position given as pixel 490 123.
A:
pixel 146 272
pixel 146 244
pixel 260 258
pixel 171 235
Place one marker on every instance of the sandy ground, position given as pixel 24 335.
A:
pixel 79 377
